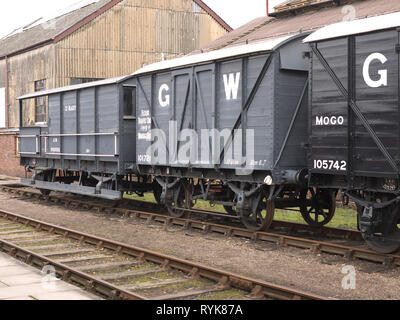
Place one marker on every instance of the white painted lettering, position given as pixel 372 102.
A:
pixel 231 85
pixel 383 81
pixel 164 100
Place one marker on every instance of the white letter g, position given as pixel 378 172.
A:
pixel 383 73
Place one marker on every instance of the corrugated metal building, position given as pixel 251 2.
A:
pixel 100 39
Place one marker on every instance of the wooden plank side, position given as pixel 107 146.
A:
pixel 152 31
pixel 26 69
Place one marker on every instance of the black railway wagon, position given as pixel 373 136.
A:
pixel 355 120
pixel 229 126
pixel 87 145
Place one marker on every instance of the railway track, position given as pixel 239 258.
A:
pixel 278 238
pixel 148 209
pixel 114 270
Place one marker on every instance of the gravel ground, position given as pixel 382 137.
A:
pixel 291 267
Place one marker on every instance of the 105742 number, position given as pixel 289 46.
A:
pixel 330 165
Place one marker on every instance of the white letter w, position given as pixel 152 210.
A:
pixel 232 85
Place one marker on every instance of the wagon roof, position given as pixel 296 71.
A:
pixel 261 46
pixel 387 21
pixel 74 87
pixel 300 20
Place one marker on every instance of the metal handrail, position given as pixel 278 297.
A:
pixel 46 136
pixel 70 135
pixel 79 134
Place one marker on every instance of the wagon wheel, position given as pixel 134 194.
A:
pixel 230 210
pixel 182 200
pixel 384 244
pixel 45 177
pixel 89 182
pixel 45 192
pixel 389 243
pixel 157 191
pixel 262 218
pixel 320 209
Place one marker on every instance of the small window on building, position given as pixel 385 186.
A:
pixel 40 103
pixel 130 102
pixel 196 8
pixel 82 80
pixel 2 107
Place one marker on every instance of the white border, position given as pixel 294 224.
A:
pixel 347 28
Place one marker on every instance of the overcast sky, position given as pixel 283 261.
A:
pixel 18 13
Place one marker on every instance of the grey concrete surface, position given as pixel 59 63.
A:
pixel 22 282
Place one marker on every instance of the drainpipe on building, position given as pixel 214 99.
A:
pixel 7 97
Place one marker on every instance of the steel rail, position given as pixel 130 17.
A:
pixel 257 288
pixel 315 246
pixel 69 274
pixel 155 208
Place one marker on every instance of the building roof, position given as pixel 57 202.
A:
pixel 345 28
pixel 54 30
pixel 296 4
pixel 317 16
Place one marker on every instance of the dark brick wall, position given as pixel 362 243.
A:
pixel 9 160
